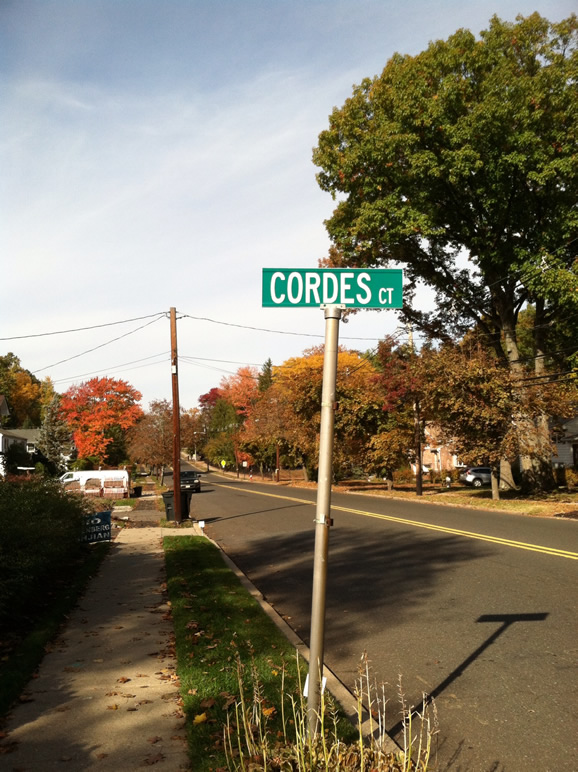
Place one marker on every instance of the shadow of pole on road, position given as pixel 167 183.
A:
pixel 507 620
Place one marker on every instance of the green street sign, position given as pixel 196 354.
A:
pixel 349 287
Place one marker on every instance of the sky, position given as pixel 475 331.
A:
pixel 156 154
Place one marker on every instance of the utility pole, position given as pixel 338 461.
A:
pixel 416 427
pixel 176 420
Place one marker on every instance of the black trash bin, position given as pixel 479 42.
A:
pixel 168 499
pixel 186 504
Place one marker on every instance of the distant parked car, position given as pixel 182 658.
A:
pixel 477 476
pixel 190 481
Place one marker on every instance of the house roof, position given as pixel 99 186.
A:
pixel 30 435
pixel 26 435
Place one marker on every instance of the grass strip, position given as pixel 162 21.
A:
pixel 26 646
pixel 224 640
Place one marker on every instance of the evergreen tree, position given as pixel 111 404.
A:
pixel 55 436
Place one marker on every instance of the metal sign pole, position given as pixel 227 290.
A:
pixel 323 517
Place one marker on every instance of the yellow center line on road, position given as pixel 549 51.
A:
pixel 430 526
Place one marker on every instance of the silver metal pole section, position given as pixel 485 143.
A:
pixel 323 518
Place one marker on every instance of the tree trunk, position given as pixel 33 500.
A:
pixel 495 485
pixel 417 440
pixel 536 463
pixel 507 482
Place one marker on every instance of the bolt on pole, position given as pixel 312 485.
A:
pixel 176 420
pixel 323 517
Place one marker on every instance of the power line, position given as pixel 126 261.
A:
pixel 101 345
pixel 223 361
pixel 207 367
pixel 264 329
pixel 82 329
pixel 115 367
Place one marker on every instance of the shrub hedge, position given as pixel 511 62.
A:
pixel 40 526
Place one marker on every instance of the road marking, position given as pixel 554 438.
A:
pixel 418 524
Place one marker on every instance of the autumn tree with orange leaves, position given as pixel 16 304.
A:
pixel 241 389
pixel 98 411
pixel 290 410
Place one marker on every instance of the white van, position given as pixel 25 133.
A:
pixel 106 483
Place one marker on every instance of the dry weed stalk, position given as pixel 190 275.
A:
pixel 291 749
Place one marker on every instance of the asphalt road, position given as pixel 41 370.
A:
pixel 475 608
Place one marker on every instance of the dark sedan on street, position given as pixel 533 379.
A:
pixel 190 481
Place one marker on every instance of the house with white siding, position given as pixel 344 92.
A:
pixel 566 443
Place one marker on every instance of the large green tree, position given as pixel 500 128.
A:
pixel 460 164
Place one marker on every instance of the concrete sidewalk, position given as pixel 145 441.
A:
pixel 106 696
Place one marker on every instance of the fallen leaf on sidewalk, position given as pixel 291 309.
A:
pixel 150 760
pixel 122 680
pixel 112 707
pixel 153 740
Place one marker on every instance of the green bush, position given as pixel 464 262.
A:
pixel 571 477
pixel 40 525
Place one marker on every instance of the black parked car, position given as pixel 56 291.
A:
pixel 477 476
pixel 190 481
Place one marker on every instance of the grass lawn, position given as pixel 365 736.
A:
pixel 557 504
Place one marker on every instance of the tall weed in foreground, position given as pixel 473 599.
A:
pixel 252 744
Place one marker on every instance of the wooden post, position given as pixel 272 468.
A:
pixel 176 420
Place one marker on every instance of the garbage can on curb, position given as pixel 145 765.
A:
pixel 170 507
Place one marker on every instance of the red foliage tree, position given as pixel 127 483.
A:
pixel 96 407
pixel 209 399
